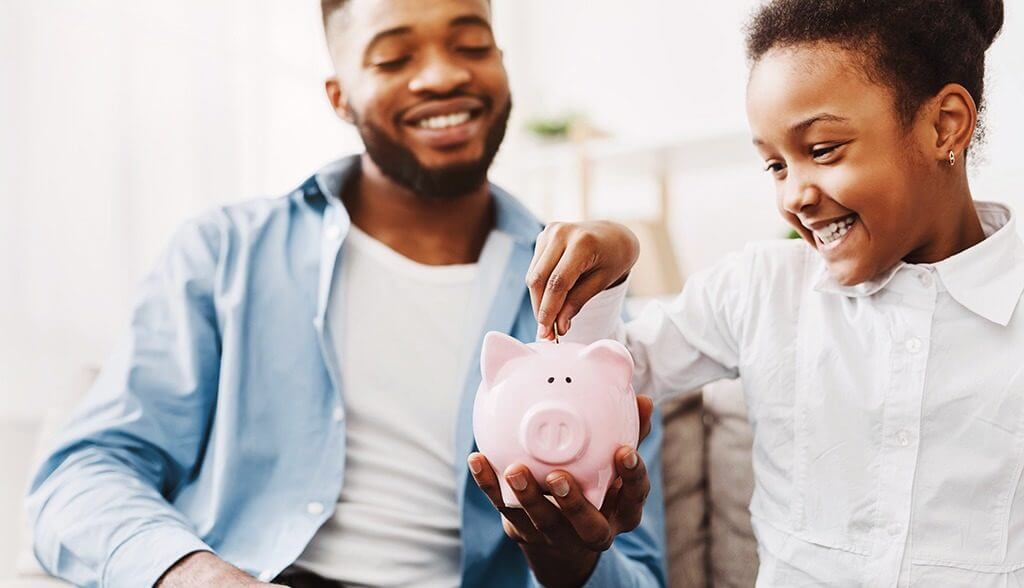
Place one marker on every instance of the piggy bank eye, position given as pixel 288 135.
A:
pixel 551 380
pixel 568 380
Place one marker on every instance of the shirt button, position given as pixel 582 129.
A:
pixel 926 279
pixel 338 415
pixel 903 438
pixel 913 345
pixel 315 508
pixel 332 232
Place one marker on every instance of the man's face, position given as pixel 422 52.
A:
pixel 425 85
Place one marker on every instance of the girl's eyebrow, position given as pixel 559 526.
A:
pixel 804 125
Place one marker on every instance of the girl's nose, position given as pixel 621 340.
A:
pixel 799 195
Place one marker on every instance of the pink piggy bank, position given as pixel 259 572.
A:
pixel 549 406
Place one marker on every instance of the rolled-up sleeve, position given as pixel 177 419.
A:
pixel 99 502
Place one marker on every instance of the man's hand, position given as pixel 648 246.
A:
pixel 563 543
pixel 203 568
pixel 572 262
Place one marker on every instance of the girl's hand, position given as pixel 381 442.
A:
pixel 572 262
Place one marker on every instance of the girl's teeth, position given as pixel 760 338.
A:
pixel 835 230
pixel 445 121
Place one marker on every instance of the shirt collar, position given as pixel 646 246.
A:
pixel 987 279
pixel 510 217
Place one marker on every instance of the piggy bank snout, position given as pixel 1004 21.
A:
pixel 553 433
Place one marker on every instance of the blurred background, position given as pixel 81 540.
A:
pixel 120 119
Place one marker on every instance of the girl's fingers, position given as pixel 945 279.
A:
pixel 540 274
pixel 574 263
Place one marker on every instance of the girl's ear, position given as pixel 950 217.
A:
pixel 498 350
pixel 339 100
pixel 955 118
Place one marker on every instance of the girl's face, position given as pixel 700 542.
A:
pixel 849 177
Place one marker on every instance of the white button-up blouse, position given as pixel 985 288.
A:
pixel 888 417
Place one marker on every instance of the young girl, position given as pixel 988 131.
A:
pixel 882 359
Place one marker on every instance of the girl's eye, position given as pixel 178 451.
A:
pixel 476 50
pixel 775 167
pixel 824 153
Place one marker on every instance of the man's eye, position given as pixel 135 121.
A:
pixel 391 64
pixel 475 50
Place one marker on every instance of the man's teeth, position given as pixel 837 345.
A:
pixel 835 230
pixel 445 121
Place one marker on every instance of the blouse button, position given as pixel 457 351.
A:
pixel 913 345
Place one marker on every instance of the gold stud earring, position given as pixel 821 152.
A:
pixel 952 158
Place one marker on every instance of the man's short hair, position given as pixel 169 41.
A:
pixel 329 7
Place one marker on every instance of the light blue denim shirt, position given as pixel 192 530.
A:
pixel 213 425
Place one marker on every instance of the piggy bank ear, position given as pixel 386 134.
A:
pixel 612 358
pixel 498 350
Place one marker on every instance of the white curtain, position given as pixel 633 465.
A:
pixel 118 119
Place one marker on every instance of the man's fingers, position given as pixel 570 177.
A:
pixel 610 506
pixel 635 488
pixel 484 476
pixel 513 532
pixel 590 525
pixel 545 516
pixel 645 408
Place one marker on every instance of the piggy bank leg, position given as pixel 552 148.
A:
pixel 508 496
pixel 595 495
pixel 597 487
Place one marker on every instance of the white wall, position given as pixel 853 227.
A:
pixel 120 119
pixel 671 69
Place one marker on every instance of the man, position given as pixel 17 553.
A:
pixel 294 399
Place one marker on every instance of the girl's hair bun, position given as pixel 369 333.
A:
pixel 987 15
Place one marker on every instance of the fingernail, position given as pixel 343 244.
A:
pixel 540 332
pixel 559 486
pixel 517 481
pixel 631 460
pixel 475 466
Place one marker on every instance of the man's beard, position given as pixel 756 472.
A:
pixel 399 163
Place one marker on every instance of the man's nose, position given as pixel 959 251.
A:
pixel 439 75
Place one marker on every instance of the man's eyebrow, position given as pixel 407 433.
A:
pixel 470 20
pixel 395 32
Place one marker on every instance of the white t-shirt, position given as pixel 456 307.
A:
pixel 888 417
pixel 402 331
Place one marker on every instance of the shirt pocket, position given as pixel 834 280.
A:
pixel 841 382
pixel 969 497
